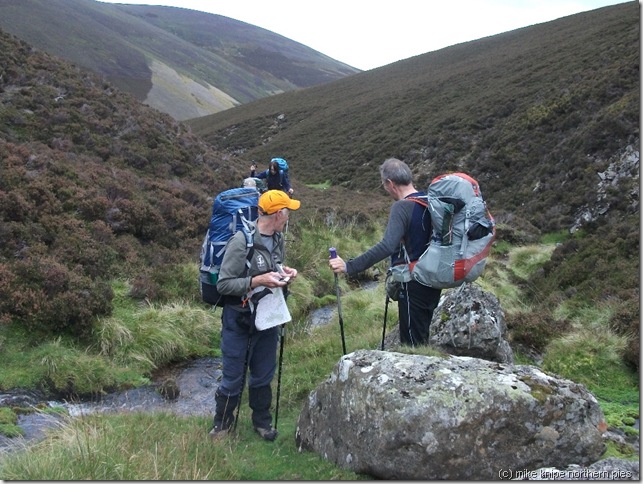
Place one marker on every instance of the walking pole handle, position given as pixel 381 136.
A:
pixel 333 252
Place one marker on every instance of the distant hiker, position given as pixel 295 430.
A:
pixel 276 178
pixel 409 226
pixel 243 346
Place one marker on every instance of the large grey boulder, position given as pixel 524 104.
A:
pixel 470 322
pixel 399 416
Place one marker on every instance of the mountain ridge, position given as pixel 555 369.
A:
pixel 148 52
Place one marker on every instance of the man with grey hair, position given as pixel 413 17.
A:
pixel 407 236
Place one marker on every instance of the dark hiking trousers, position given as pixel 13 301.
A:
pixel 415 308
pixel 262 359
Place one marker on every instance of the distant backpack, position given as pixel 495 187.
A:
pixel 233 210
pixel 462 232
pixel 283 164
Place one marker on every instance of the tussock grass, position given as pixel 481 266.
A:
pixel 595 359
pixel 157 335
pixel 139 337
pixel 9 423
pixel 125 349
pixel 591 357
pixel 586 317
pixel 524 261
pixel 163 447
pixel 498 279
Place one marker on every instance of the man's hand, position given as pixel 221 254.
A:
pixel 337 264
pixel 289 273
pixel 269 279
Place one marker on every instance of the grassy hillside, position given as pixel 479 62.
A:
pixel 95 186
pixel 541 116
pixel 247 46
pixel 182 62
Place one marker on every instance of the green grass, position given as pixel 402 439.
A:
pixel 556 237
pixel 524 261
pixel 125 349
pixel 594 358
pixel 9 423
pixel 320 186
pixel 140 337
pixel 138 446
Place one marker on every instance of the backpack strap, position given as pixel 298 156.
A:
pixel 250 254
pixel 424 202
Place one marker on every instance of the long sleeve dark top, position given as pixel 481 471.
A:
pixel 408 223
pixel 278 181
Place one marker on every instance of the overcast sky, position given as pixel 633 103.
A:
pixel 371 33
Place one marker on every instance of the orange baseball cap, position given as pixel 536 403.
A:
pixel 274 200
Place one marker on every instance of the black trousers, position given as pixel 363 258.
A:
pixel 415 309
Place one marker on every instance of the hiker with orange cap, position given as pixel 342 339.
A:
pixel 243 346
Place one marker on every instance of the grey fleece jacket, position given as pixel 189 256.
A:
pixel 231 280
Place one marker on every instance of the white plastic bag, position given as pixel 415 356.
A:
pixel 271 309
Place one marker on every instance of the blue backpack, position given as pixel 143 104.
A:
pixel 233 210
pixel 283 164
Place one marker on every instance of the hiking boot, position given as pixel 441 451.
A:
pixel 267 434
pixel 218 433
pixel 224 415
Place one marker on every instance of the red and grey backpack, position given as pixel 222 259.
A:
pixel 462 232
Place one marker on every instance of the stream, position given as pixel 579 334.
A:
pixel 185 389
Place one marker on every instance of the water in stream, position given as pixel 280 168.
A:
pixel 195 380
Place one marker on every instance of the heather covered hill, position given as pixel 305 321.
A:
pixel 182 62
pixel 540 110
pixel 546 117
pixel 96 186
pixel 93 186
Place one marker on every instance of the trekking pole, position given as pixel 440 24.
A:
pixel 243 380
pixel 333 254
pixel 282 336
pixel 385 314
